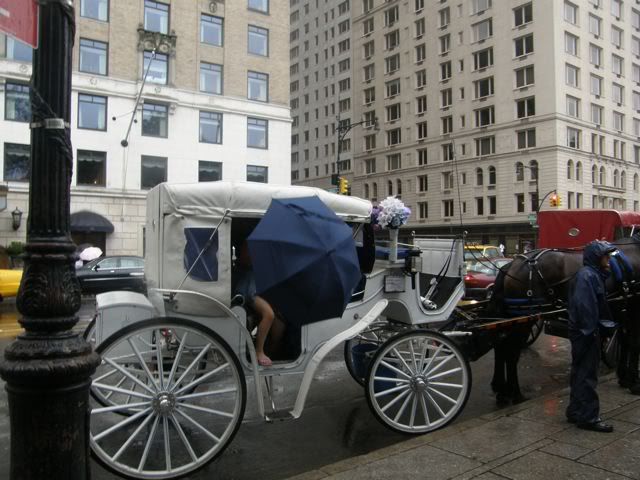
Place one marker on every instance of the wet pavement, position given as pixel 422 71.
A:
pixel 336 424
pixel 529 441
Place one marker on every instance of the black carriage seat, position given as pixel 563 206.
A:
pixel 288 349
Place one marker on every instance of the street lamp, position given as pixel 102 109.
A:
pixel 47 369
pixel 343 130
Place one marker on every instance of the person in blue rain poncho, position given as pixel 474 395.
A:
pixel 588 308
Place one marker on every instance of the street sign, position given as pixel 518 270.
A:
pixel 20 20
pixel 532 217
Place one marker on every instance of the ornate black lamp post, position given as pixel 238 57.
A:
pixel 48 368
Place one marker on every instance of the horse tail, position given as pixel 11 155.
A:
pixel 496 304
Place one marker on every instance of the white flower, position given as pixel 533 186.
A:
pixel 393 213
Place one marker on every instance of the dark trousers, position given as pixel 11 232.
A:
pixel 584 406
pixel 629 347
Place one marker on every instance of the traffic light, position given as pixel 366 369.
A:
pixel 334 179
pixel 554 200
pixel 343 186
pixel 558 201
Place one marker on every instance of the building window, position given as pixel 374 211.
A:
pixel 392 88
pixel 482 30
pixel 447 180
pixel 155 120
pixel 423 210
pixel 258 41
pixel 91 168
pixel 483 58
pixel 493 205
pixel 618 121
pixel 483 87
pixel 370 165
pixel 394 137
pixel 571 44
pixel 573 106
pixel 156 17
pixel 520 202
pixel 596 114
pixel 446 98
pixel 421 78
pixel 595 56
pixel 523 45
pixel 211 30
pixel 445 71
pixel 154 171
pixel 485 146
pixel 394 162
pixel 256 173
pixel 392 40
pixel 479 177
pixel 617 65
pixel 422 130
pixel 447 152
pixel 393 112
pixel 96 9
pixel 421 104
pixel 525 76
pixel 423 158
pixel 479 206
pixel 572 75
pixel 93 56
pixel 447 125
pixel 259 5
pixel 445 17
pixel 391 16
pixel 367 26
pixel 570 13
pixel 595 25
pixel 526 138
pixel 158 72
pixel 479 6
pixel 526 107
pixel 616 37
pixel 92 112
pixel 17 103
pixel 423 183
pixel 16 162
pixel 392 63
pixel 616 8
pixel 210 78
pixel 523 14
pixel 573 137
pixel 258 86
pixel 485 116
pixel 492 175
pixel 257 133
pixel 209 171
pixel 519 172
pixel 596 85
pixel 210 127
pixel 617 93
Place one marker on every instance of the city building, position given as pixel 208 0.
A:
pixel 487 107
pixel 321 90
pixel 214 106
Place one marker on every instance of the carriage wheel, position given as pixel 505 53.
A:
pixel 374 336
pixel 183 394
pixel 536 329
pixel 418 382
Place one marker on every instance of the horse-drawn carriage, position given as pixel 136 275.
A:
pixel 171 390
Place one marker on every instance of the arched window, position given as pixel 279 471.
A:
pixel 479 177
pixel 636 180
pixel 366 190
pixel 399 187
pixel 375 190
pixel 616 178
pixel 594 174
pixel 519 172
pixel 390 188
pixel 533 167
pixel 492 175
pixel 623 180
pixel 569 169
pixel 579 171
pixel 603 176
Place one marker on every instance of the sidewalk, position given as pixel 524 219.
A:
pixel 528 441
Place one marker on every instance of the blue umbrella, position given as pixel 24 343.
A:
pixel 304 259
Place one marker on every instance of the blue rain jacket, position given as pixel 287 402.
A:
pixel 587 296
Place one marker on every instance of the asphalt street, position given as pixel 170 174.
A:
pixel 336 423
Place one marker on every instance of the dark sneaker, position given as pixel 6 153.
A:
pixel 596 427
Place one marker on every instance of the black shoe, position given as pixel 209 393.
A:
pixel 502 400
pixel 635 389
pixel 596 427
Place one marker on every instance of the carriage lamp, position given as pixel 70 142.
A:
pixel 16 217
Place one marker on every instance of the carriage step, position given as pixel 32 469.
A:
pixel 279 415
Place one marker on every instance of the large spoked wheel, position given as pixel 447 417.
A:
pixel 175 397
pixel 418 382
pixel 359 350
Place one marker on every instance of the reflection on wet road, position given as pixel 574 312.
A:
pixel 336 423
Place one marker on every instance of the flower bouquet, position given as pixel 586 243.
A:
pixel 391 213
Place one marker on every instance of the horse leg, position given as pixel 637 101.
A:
pixel 516 342
pixel 499 381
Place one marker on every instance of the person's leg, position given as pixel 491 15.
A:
pixel 584 392
pixel 266 320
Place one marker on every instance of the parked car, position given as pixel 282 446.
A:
pixel 480 252
pixel 481 277
pixel 112 273
pixel 9 283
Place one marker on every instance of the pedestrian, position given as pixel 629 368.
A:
pixel 587 309
pixel 501 247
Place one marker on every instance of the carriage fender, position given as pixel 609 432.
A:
pixel 116 310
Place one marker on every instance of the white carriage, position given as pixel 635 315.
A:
pixel 170 393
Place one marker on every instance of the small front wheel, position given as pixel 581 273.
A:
pixel 170 397
pixel 418 382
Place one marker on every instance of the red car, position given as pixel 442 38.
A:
pixel 481 276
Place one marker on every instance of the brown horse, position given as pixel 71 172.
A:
pixel 539 281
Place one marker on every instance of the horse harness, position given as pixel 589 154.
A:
pixel 534 271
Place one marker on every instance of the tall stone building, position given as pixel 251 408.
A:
pixel 485 106
pixel 214 106
pixel 321 90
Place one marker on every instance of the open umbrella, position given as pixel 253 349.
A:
pixel 90 253
pixel 304 259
